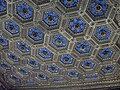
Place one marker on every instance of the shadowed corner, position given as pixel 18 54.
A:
pixel 3 84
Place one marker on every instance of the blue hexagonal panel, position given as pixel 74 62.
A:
pixel 3 41
pixel 88 64
pixel 33 63
pixel 77 25
pixel 4 65
pixel 69 3
pixel 42 76
pixel 59 40
pixel 73 74
pixel 90 76
pixel 23 71
pixel 23 47
pixel 105 53
pixel 15 78
pixel 83 47
pixel 108 69
pixel 98 9
pixel 53 68
pixel 58 79
pixel 50 18
pixel 45 53
pixel 102 32
pixel 13 57
pixel 35 34
pixel 24 10
pixel 66 59
pixel 12 27
pixel 3 6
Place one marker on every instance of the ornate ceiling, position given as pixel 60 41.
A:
pixel 60 44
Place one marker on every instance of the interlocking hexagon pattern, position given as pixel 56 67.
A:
pixel 68 44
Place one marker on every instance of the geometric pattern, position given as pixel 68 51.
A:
pixel 59 44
